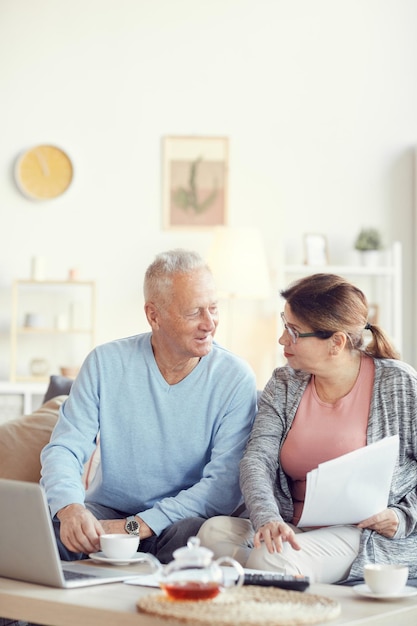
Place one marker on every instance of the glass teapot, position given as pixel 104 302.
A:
pixel 194 575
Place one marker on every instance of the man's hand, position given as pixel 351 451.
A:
pixel 273 534
pixel 385 523
pixel 80 531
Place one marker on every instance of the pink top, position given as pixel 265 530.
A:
pixel 323 431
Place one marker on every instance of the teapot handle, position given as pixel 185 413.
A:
pixel 237 566
pixel 152 560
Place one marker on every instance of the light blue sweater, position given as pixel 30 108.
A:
pixel 167 451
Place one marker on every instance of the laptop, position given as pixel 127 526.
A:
pixel 28 549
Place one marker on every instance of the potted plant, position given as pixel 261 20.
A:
pixel 369 243
pixel 368 239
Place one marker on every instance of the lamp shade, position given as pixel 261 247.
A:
pixel 238 261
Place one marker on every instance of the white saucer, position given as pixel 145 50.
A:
pixel 363 590
pixel 100 557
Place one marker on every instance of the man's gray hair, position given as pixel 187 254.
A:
pixel 158 276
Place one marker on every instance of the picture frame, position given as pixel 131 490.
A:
pixel 195 182
pixel 315 249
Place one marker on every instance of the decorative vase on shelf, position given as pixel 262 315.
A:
pixel 39 367
pixel 370 258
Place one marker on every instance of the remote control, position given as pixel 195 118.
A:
pixel 295 583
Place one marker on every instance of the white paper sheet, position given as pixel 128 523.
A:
pixel 352 487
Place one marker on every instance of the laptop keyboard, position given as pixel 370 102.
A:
pixel 69 575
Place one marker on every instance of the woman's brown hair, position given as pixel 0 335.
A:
pixel 331 303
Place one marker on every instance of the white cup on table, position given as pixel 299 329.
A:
pixel 386 579
pixel 119 546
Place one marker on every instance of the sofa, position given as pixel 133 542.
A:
pixel 22 439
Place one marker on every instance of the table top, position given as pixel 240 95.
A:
pixel 109 604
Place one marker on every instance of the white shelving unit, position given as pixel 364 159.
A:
pixel 17 399
pixel 382 285
pixel 53 323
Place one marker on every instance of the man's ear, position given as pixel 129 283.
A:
pixel 152 315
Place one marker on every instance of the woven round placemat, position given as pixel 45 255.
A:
pixel 248 606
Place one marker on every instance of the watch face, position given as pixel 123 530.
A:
pixel 132 526
pixel 43 172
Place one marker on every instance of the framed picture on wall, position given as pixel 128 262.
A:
pixel 195 182
pixel 315 249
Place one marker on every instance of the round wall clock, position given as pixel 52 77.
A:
pixel 43 172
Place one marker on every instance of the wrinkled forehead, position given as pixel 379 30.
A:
pixel 194 288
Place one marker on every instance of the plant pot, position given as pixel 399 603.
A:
pixel 370 258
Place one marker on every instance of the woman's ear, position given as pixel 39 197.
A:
pixel 338 342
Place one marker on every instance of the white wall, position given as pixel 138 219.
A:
pixel 319 100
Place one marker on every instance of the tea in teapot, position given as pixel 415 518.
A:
pixel 194 575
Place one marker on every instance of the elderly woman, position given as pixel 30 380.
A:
pixel 336 394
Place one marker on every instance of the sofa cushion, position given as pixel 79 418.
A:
pixel 58 386
pixel 22 441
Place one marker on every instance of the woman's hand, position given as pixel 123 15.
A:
pixel 385 523
pixel 273 534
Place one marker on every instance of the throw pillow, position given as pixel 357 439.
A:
pixel 22 440
pixel 58 386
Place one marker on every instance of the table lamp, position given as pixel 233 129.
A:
pixel 238 261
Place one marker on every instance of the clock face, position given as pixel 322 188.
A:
pixel 43 172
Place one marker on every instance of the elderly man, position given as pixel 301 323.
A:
pixel 173 410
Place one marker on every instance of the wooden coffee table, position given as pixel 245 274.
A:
pixel 110 604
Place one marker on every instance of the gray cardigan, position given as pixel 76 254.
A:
pixel 393 411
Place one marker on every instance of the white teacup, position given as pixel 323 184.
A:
pixel 387 579
pixel 119 546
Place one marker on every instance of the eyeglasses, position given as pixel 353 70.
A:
pixel 295 334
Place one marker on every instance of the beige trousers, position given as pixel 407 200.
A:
pixel 326 554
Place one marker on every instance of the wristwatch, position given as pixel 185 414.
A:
pixel 132 525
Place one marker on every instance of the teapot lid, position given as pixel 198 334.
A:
pixel 193 553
